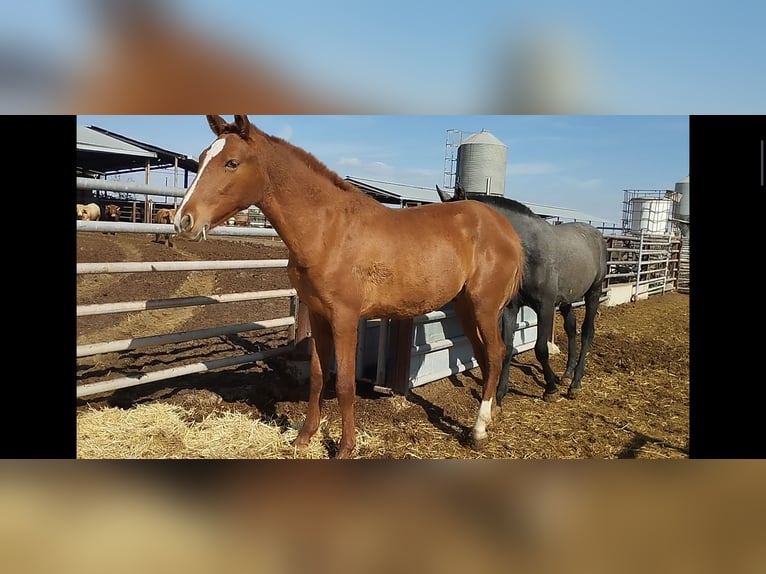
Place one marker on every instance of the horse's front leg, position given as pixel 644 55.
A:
pixel 321 360
pixel 345 337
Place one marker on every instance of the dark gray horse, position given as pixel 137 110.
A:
pixel 564 264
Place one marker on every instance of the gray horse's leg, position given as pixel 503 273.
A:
pixel 507 328
pixel 592 300
pixel 544 330
pixel 570 328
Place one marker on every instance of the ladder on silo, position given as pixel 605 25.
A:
pixel 453 141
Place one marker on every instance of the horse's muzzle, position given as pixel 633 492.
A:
pixel 185 225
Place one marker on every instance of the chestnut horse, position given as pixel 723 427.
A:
pixel 352 257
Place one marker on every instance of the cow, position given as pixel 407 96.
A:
pixel 90 212
pixel 111 212
pixel 165 216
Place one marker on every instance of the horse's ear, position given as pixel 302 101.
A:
pixel 217 124
pixel 243 126
pixel 459 191
pixel 442 195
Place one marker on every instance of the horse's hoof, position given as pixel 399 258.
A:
pixel 301 441
pixel 478 443
pixel 299 445
pixel 552 397
pixel 573 393
pixel 345 452
pixel 566 379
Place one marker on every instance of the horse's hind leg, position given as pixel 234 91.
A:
pixel 489 330
pixel 321 361
pixel 570 328
pixel 466 313
pixel 508 329
pixel 592 300
pixel 481 324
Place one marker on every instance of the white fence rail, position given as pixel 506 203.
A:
pixel 90 389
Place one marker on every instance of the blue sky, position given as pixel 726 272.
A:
pixel 580 162
pixel 650 57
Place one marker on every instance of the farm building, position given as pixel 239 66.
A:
pixel 102 154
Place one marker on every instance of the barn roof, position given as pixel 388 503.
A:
pixel 565 213
pixel 399 193
pixel 100 151
pixel 387 192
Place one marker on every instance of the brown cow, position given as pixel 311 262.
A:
pixel 111 212
pixel 165 216
pixel 90 212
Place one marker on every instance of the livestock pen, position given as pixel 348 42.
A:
pixel 391 355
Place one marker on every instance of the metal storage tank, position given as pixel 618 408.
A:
pixel 481 162
pixel 651 215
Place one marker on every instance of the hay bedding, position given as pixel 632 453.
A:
pixel 635 402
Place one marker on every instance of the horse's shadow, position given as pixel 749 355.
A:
pixel 441 421
pixel 640 440
pixel 534 372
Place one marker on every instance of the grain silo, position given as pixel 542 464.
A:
pixel 481 162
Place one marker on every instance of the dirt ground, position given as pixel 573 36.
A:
pixel 634 404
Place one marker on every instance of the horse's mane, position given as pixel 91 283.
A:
pixel 499 201
pixel 303 155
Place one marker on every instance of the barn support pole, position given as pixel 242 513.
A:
pixel 147 210
pixel 400 355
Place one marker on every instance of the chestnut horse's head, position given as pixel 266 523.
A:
pixel 231 178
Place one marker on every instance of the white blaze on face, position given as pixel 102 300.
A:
pixel 215 148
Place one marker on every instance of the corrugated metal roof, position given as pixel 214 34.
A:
pixel 396 191
pixel 565 213
pixel 400 193
pixel 102 151
pixel 89 139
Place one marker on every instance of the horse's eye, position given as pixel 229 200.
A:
pixel 232 163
